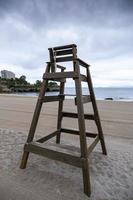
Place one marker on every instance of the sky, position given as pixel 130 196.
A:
pixel 102 30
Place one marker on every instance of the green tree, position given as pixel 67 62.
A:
pixel 22 80
pixel 52 84
pixel 10 83
pixel 23 77
pixel 38 83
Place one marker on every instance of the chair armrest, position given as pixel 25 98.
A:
pixel 82 63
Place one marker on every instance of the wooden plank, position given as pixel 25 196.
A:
pixel 86 176
pixel 60 108
pixel 60 80
pixel 63 52
pixel 35 118
pixel 47 137
pixel 52 60
pixel 85 99
pixel 89 116
pixel 82 63
pixel 76 132
pixel 75 115
pixel 60 67
pixel 97 116
pixel 82 132
pixel 64 59
pixel 83 78
pixel 54 153
pixel 70 95
pixel 52 98
pixel 74 50
pixel 91 147
pixel 65 47
pixel 60 75
pixel 69 114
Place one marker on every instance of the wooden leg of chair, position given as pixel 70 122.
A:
pixel 24 160
pixel 86 177
pixel 60 108
pixel 98 121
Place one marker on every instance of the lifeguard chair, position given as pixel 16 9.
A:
pixel 58 55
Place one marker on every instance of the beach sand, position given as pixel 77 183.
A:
pixel 44 179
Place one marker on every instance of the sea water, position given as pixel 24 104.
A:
pixel 118 94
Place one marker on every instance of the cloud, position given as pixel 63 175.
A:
pixel 90 12
pixel 102 29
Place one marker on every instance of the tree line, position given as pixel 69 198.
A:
pixel 22 85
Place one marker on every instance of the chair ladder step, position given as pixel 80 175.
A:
pixel 75 115
pixel 52 98
pixel 76 132
pixel 54 152
pixel 85 99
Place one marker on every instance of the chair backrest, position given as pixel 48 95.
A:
pixel 62 54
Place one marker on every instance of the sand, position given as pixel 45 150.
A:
pixel 111 175
pixel 16 114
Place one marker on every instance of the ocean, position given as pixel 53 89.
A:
pixel 117 94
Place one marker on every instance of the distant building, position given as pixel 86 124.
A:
pixel 7 74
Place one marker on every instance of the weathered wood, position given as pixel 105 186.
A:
pixel 74 50
pixel 93 144
pixel 75 115
pixel 60 108
pixel 82 134
pixel 58 79
pixel 35 118
pixel 60 75
pixel 82 63
pixel 47 137
pixel 52 98
pixel 83 78
pixel 52 60
pixel 96 113
pixel 61 67
pixel 86 176
pixel 64 59
pixel 70 95
pixel 85 99
pixel 63 52
pixel 81 121
pixel 24 160
pixel 55 153
pixel 65 47
pixel 76 132
pixel 37 110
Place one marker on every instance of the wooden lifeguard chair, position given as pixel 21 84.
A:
pixel 57 55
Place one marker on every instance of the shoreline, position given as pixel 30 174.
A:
pixel 67 97
pixel 101 93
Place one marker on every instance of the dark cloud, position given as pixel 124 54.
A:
pixel 103 29
pixel 89 12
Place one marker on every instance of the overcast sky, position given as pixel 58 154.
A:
pixel 102 29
